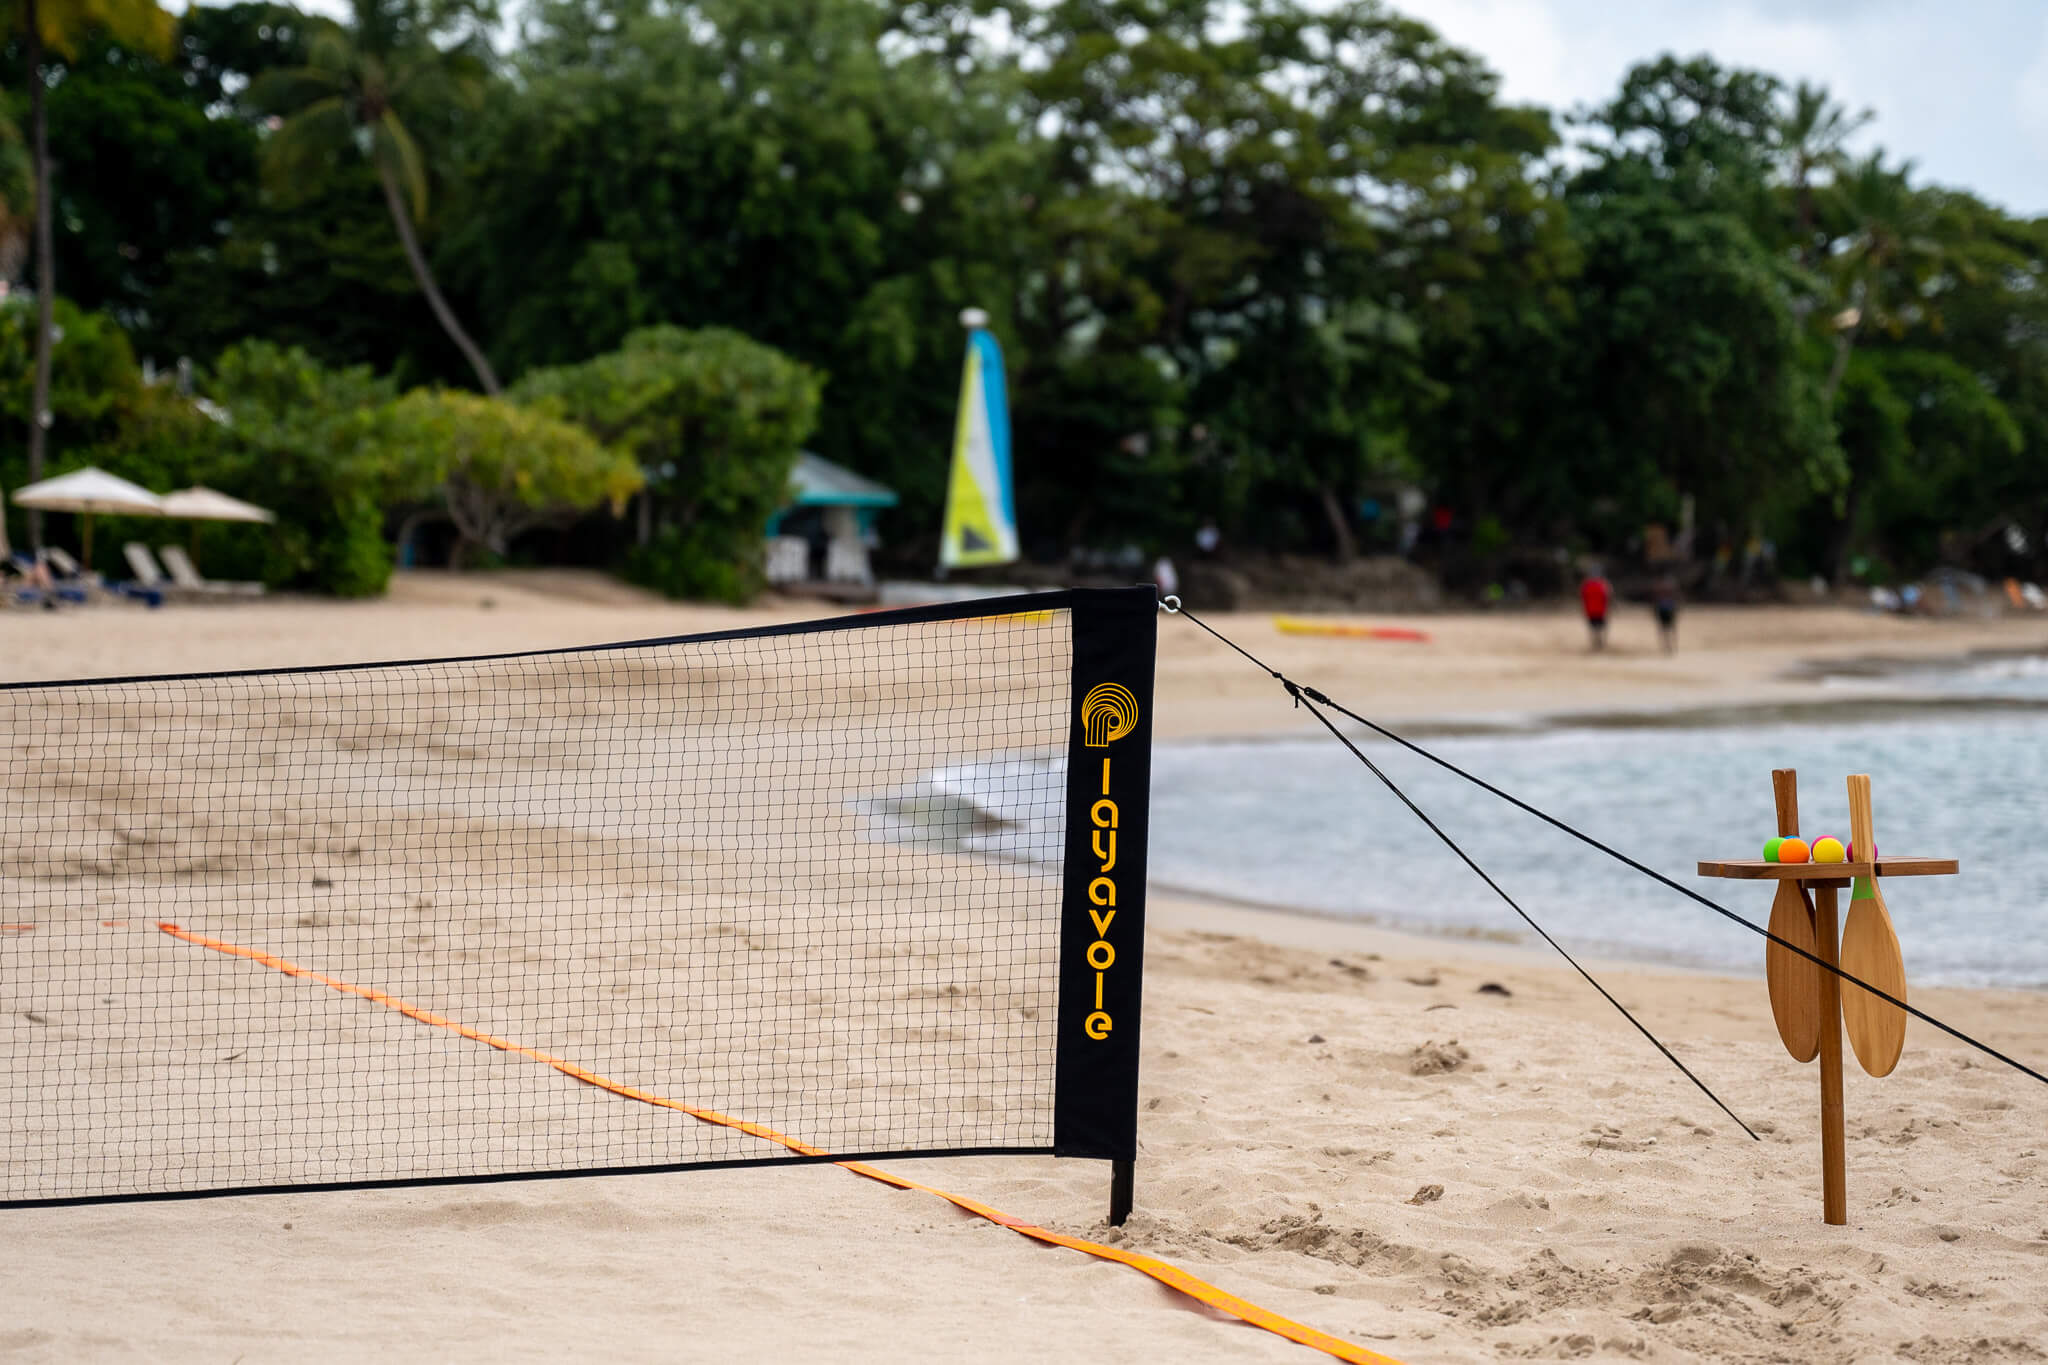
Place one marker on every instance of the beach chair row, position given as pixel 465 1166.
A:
pixel 54 579
pixel 183 580
pixel 51 578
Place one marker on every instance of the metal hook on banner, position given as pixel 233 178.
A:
pixel 1170 604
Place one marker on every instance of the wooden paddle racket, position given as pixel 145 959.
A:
pixel 1870 950
pixel 1811 1003
pixel 1794 981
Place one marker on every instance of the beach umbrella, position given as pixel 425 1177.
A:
pixel 203 504
pixel 86 491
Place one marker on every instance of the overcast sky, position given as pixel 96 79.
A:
pixel 1960 87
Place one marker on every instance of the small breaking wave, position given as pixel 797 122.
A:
pixel 1007 807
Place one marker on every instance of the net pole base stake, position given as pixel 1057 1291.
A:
pixel 1122 1175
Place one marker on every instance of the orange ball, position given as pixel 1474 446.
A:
pixel 1793 851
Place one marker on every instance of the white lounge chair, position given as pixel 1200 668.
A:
pixel 20 586
pixel 63 563
pixel 142 564
pixel 186 575
pixel 150 578
pixel 76 583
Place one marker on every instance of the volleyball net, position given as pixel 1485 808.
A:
pixel 864 887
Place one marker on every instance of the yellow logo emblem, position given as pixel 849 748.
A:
pixel 1109 712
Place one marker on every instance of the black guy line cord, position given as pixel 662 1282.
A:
pixel 1312 697
pixel 1300 695
pixel 1315 701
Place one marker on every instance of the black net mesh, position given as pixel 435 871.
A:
pixel 411 921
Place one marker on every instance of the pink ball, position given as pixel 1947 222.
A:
pixel 1852 851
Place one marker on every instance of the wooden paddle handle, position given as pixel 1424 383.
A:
pixel 1860 829
pixel 1785 786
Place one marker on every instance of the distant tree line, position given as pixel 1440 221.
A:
pixel 1279 269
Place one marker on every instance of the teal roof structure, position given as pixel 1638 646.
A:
pixel 817 482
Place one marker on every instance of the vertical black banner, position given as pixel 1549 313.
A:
pixel 1102 919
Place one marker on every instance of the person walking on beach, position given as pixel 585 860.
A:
pixel 1594 594
pixel 1665 596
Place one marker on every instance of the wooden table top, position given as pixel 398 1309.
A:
pixel 1756 869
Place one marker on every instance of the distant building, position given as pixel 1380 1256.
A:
pixel 823 534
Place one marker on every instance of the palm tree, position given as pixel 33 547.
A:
pixel 1812 133
pixel 1891 252
pixel 62 26
pixel 1888 262
pixel 349 94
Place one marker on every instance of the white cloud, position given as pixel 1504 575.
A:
pixel 1525 43
pixel 2030 95
pixel 1960 88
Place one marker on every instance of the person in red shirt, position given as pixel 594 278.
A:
pixel 1594 594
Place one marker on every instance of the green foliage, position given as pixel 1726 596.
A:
pixel 714 421
pixel 318 270
pixel 365 87
pixel 148 178
pixel 17 185
pixel 784 169
pixel 1690 375
pixel 67 26
pixel 283 433
pixel 93 374
pixel 94 386
pixel 500 469
pixel 40 31
pixel 1679 371
pixel 1252 263
pixel 693 564
pixel 1917 430
pixel 1272 232
pixel 302 440
pixel 1318 413
pixel 221 47
pixel 1706 135
pixel 361 82
pixel 311 263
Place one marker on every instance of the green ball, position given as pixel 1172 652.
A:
pixel 1771 849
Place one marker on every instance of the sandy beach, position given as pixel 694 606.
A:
pixel 1444 1150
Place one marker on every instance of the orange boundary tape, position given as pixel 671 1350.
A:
pixel 1173 1277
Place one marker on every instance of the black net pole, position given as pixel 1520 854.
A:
pixel 1122 1179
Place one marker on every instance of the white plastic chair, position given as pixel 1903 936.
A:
pixel 788 559
pixel 185 574
pixel 143 565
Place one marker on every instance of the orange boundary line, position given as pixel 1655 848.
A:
pixel 1173 1277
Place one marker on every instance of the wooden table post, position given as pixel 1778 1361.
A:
pixel 1833 1155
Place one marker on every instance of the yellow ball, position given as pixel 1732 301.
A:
pixel 1829 850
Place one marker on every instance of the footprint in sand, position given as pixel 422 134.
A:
pixel 1607 1138
pixel 1434 1058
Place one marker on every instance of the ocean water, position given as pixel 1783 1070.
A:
pixel 2015 676
pixel 1303 824
pixel 1956 758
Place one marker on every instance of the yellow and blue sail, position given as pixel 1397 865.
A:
pixel 981 509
